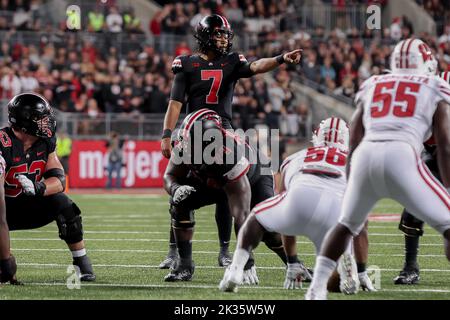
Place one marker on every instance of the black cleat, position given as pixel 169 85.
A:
pixel 181 273
pixel 408 276
pixel 170 261
pixel 224 258
pixel 85 267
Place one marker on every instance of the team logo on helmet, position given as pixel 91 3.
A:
pixel 332 132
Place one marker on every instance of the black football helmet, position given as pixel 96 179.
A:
pixel 192 131
pixel 32 114
pixel 208 27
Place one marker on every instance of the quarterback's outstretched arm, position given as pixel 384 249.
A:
pixel 441 131
pixel 4 230
pixel 268 64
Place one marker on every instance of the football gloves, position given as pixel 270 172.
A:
pixel 250 277
pixel 30 188
pixel 181 193
pixel 295 274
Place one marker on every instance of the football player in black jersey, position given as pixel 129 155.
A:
pixel 32 178
pixel 208 79
pixel 233 177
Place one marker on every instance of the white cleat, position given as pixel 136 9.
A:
pixel 314 294
pixel 231 280
pixel 365 282
pixel 349 283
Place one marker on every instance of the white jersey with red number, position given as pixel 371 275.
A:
pixel 317 166
pixel 400 107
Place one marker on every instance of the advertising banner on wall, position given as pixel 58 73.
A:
pixel 142 167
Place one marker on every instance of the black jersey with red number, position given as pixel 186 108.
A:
pixel 238 158
pixel 208 84
pixel 16 161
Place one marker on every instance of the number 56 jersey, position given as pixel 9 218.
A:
pixel 400 107
pixel 322 167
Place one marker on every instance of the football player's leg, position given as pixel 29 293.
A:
pixel 412 184
pixel 359 199
pixel 172 256
pixel 413 230
pixel 262 190
pixel 250 234
pixel 70 227
pixel 224 222
pixel 183 226
pixel 361 250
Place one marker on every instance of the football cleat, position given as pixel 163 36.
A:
pixel 86 273
pixel 408 276
pixel 349 282
pixel 231 279
pixel 181 273
pixel 170 261
pixel 224 258
pixel 365 282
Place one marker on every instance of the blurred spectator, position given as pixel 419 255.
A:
pixel 10 84
pixel 114 153
pixel 64 149
pixel 96 21
pixel 114 20
pixel 131 22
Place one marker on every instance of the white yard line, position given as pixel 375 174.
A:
pixel 372 243
pixel 198 286
pixel 200 232
pixel 208 252
pixel 144 266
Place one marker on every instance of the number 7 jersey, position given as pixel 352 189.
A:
pixel 400 107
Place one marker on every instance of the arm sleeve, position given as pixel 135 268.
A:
pixel 178 87
pixel 243 67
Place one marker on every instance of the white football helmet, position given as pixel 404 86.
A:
pixel 332 132
pixel 413 56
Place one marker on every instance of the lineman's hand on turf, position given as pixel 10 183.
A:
pixel 182 193
pixel 250 277
pixel 8 268
pixel 294 275
pixel 27 185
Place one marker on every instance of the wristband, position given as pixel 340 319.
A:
pixel 280 59
pixel 40 188
pixel 167 133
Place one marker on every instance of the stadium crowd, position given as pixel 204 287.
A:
pixel 77 75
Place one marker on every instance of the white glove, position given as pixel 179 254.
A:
pixel 182 193
pixel 27 185
pixel 250 277
pixel 365 282
pixel 294 276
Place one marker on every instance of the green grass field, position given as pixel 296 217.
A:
pixel 126 237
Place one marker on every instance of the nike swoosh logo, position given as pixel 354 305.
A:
pixel 40 153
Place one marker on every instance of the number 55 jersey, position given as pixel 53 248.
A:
pixel 400 107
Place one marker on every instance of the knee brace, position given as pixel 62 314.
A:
pixel 410 225
pixel 70 224
pixel 182 218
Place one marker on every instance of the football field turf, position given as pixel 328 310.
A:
pixel 126 238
